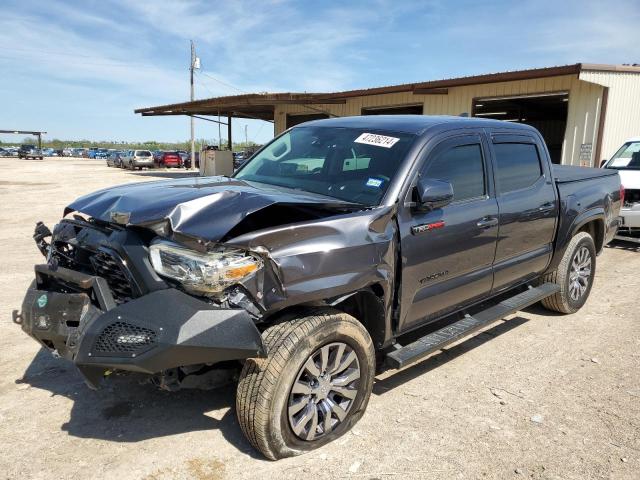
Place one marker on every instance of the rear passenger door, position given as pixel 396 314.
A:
pixel 528 206
pixel 447 253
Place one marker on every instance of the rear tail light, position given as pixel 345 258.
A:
pixel 621 194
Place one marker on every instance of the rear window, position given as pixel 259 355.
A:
pixel 518 166
pixel 143 153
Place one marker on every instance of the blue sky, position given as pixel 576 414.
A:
pixel 78 69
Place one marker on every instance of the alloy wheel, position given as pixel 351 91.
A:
pixel 324 391
pixel 580 273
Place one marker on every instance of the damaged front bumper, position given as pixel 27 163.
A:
pixel 74 315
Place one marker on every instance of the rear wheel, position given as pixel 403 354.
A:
pixel 574 275
pixel 312 388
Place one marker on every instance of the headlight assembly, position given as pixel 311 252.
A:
pixel 202 273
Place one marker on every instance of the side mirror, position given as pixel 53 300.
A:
pixel 433 194
pixel 602 162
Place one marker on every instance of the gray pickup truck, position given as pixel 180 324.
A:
pixel 343 247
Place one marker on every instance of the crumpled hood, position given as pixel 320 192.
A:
pixel 202 207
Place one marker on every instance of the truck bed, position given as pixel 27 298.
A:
pixel 568 173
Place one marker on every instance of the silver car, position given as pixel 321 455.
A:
pixel 133 159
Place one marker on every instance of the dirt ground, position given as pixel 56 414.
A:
pixel 549 396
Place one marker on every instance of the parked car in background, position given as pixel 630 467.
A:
pixel 187 160
pixel 49 152
pixel 133 159
pixel 67 152
pixel 101 153
pixel 238 159
pixel 29 151
pixel 627 162
pixel 114 159
pixel 157 154
pixel 169 160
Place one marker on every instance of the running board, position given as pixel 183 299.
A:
pixel 469 324
pixel 624 238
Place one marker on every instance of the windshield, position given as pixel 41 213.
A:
pixel 627 158
pixel 346 163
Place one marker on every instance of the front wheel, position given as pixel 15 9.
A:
pixel 313 386
pixel 574 275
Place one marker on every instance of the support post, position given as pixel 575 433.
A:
pixel 230 143
pixel 193 146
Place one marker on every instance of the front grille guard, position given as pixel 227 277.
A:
pixel 110 266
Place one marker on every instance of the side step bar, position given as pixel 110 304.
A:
pixel 626 238
pixel 441 338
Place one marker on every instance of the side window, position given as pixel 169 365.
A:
pixel 518 165
pixel 463 167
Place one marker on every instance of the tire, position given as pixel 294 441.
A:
pixel 265 390
pixel 571 297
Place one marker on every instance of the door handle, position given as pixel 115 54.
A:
pixel 487 222
pixel 546 207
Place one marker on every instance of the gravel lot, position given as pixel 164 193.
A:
pixel 548 397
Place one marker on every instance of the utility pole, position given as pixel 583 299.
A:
pixel 195 63
pixel 246 137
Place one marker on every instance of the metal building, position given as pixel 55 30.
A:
pixel 584 111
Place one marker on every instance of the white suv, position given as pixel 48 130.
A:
pixel 133 159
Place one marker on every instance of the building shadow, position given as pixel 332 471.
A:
pixel 127 408
pixel 382 386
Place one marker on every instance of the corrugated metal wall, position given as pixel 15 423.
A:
pixel 623 107
pixel 582 122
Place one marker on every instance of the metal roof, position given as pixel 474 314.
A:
pixel 262 105
pixel 414 124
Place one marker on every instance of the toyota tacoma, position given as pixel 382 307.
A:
pixel 342 248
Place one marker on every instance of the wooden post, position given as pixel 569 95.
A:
pixel 229 132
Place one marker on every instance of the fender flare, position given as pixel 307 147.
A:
pixel 596 213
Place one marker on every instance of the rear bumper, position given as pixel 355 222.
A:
pixel 161 330
pixel 136 162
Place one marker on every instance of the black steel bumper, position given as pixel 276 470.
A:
pixel 161 330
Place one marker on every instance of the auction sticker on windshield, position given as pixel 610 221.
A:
pixel 376 140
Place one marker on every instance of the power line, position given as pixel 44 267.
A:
pixel 224 83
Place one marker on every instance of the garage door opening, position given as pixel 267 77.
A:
pixel 546 112
pixel 398 110
pixel 293 120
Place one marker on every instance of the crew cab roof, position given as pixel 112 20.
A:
pixel 412 124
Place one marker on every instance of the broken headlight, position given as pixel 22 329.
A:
pixel 204 273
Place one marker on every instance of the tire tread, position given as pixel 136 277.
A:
pixel 258 380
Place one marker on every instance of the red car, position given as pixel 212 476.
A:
pixel 169 160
